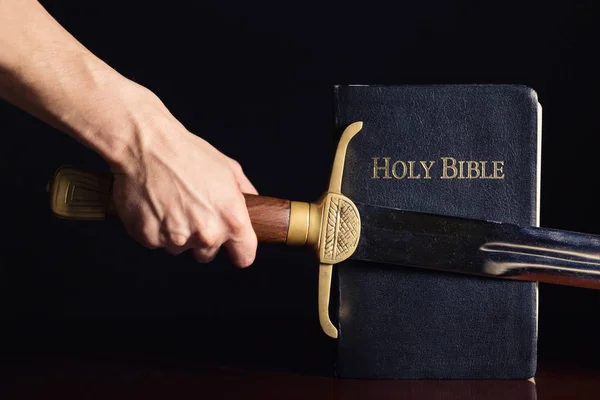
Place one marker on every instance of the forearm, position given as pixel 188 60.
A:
pixel 49 74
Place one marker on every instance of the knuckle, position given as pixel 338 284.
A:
pixel 151 242
pixel 177 239
pixel 210 237
pixel 204 255
pixel 199 225
pixel 235 165
pixel 147 236
pixel 148 231
pixel 236 221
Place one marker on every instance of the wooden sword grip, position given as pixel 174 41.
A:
pixel 270 218
pixel 83 195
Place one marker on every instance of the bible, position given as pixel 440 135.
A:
pixel 462 150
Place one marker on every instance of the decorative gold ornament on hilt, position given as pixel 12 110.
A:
pixel 330 226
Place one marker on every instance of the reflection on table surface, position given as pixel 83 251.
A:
pixel 40 378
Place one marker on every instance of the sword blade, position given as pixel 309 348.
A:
pixel 476 247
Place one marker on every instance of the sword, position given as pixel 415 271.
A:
pixel 335 229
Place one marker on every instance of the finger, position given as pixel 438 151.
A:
pixel 205 255
pixel 178 244
pixel 242 252
pixel 143 230
pixel 175 239
pixel 175 233
pixel 242 180
pixel 242 242
pixel 245 185
pixel 210 233
pixel 147 233
pixel 172 242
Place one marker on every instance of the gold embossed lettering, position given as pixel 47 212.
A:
pixel 449 163
pixel 498 169
pixel 386 168
pixel 403 169
pixel 427 168
pixel 383 168
pixel 472 167
pixel 411 170
pixel 461 163
pixel 483 175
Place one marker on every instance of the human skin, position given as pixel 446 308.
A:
pixel 172 189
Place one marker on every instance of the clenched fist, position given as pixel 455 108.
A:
pixel 174 190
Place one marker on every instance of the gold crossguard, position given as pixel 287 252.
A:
pixel 330 226
pixel 340 230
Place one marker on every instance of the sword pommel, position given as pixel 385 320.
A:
pixel 77 194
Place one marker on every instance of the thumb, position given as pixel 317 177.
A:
pixel 242 180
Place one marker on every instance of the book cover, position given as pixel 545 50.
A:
pixel 463 150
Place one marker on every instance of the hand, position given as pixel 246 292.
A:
pixel 174 190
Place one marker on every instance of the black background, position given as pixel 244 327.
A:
pixel 255 79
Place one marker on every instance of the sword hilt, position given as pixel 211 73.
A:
pixel 84 195
pixel 330 226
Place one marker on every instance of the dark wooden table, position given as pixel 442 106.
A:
pixel 62 378
pixel 244 359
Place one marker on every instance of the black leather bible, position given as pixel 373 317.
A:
pixel 462 150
